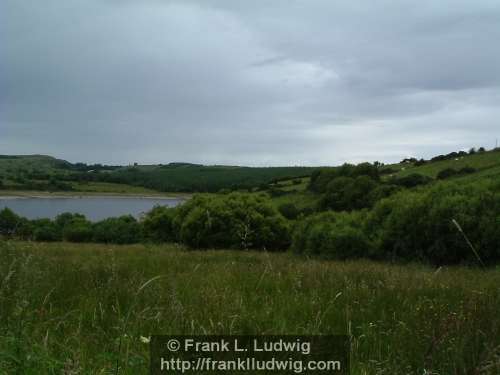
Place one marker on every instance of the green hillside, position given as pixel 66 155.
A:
pixel 483 161
pixel 45 173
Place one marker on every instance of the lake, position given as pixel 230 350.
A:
pixel 94 208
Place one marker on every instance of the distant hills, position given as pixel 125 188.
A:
pixel 43 172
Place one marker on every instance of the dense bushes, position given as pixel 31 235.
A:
pixel 411 180
pixel 407 225
pixel 158 224
pixel 322 178
pixel 347 193
pixel 71 227
pixel 419 226
pixel 119 230
pixel 332 235
pixel 355 187
pixel 9 221
pixel 410 226
pixel 43 230
pixel 451 172
pixel 232 221
pixel 289 210
pixel 226 221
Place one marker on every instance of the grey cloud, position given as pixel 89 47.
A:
pixel 239 82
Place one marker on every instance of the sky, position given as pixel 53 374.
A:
pixel 281 82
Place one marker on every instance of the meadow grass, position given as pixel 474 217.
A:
pixel 480 161
pixel 79 308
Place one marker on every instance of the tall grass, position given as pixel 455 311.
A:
pixel 73 309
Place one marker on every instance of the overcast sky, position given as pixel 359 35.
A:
pixel 278 82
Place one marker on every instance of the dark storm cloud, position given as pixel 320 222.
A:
pixel 239 82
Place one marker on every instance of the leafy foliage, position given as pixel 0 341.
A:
pixel 120 230
pixel 419 226
pixel 332 235
pixel 234 221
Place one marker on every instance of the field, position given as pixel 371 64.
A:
pixel 480 161
pixel 82 308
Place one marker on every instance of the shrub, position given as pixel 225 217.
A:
pixel 289 210
pixel 347 193
pixel 73 227
pixel 467 170
pixel 232 221
pixel 332 236
pixel 9 222
pixel 412 180
pixel 450 172
pixel 45 230
pixel 321 178
pixel 417 226
pixel 158 224
pixel 383 191
pixel 446 173
pixel 79 230
pixel 275 192
pixel 119 230
pixel 66 218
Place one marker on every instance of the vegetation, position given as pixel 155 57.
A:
pixel 353 211
pixel 480 161
pixel 44 173
pixel 86 308
pixel 75 307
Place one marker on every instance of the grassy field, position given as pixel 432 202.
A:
pixel 81 309
pixel 481 161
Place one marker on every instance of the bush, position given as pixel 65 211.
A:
pixel 446 173
pixel 347 193
pixel 231 221
pixel 119 230
pixel 321 178
pixel 9 222
pixel 450 172
pixel 79 230
pixel 332 236
pixel 71 227
pixel 64 219
pixel 383 191
pixel 158 224
pixel 289 210
pixel 467 170
pixel 412 180
pixel 417 226
pixel 45 230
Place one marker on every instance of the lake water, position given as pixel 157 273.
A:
pixel 94 208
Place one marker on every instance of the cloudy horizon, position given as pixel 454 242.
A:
pixel 248 83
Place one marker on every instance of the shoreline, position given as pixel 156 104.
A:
pixel 13 194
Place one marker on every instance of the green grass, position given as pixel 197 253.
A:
pixel 64 307
pixel 290 185
pixel 109 187
pixel 11 164
pixel 480 161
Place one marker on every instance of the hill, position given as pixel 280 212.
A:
pixel 46 173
